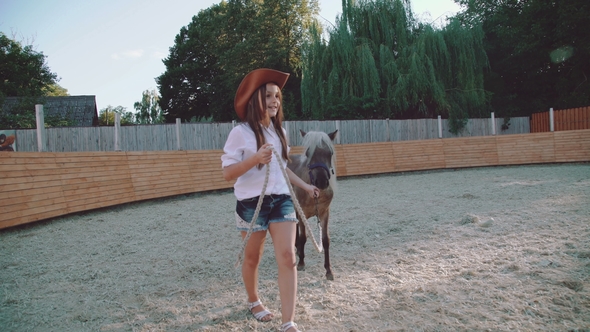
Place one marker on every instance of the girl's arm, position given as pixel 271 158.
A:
pixel 312 191
pixel 234 171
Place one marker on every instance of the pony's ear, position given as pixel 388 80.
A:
pixel 333 135
pixel 302 133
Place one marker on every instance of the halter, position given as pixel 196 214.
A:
pixel 317 165
pixel 311 167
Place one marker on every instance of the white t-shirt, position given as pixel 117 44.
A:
pixel 241 145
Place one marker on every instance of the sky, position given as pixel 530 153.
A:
pixel 113 49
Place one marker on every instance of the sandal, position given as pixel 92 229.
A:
pixel 261 314
pixel 285 327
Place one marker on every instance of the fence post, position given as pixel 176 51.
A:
pixel 551 123
pixel 40 127
pixel 178 134
pixel 117 127
pixel 339 132
pixel 493 124
pixel 439 127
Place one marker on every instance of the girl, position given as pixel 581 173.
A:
pixel 258 103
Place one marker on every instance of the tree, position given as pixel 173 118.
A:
pixel 55 90
pixel 24 74
pixel 191 68
pixel 18 116
pixel 22 115
pixel 538 53
pixel 380 62
pixel 222 44
pixel 23 71
pixel 148 109
pixel 106 116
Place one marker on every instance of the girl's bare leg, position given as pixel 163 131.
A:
pixel 283 239
pixel 252 255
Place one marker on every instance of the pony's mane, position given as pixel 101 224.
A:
pixel 313 139
pixel 316 138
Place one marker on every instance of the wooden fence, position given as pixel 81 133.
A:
pixel 41 185
pixel 568 119
pixel 212 136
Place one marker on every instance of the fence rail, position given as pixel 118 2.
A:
pixel 212 136
pixel 50 184
pixel 568 119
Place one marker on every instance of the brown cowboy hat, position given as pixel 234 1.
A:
pixel 251 82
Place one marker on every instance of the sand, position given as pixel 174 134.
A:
pixel 481 249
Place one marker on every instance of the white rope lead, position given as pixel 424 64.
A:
pixel 254 218
pixel 318 246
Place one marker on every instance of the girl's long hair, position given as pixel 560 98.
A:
pixel 255 109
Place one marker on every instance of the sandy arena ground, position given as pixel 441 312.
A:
pixel 410 252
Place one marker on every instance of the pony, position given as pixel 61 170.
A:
pixel 315 166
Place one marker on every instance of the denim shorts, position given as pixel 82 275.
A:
pixel 275 208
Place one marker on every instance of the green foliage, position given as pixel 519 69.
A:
pixel 106 116
pixel 538 53
pixel 55 90
pixel 148 109
pixel 127 119
pixel 23 71
pixel 22 115
pixel 380 62
pixel 223 43
pixel 19 116
pixel 203 119
pixel 505 124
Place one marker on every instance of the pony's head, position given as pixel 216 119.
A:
pixel 320 157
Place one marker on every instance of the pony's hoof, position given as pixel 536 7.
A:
pixel 300 267
pixel 329 276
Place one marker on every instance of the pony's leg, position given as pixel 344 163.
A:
pixel 326 245
pixel 300 240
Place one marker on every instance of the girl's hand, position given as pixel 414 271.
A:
pixel 264 155
pixel 313 191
